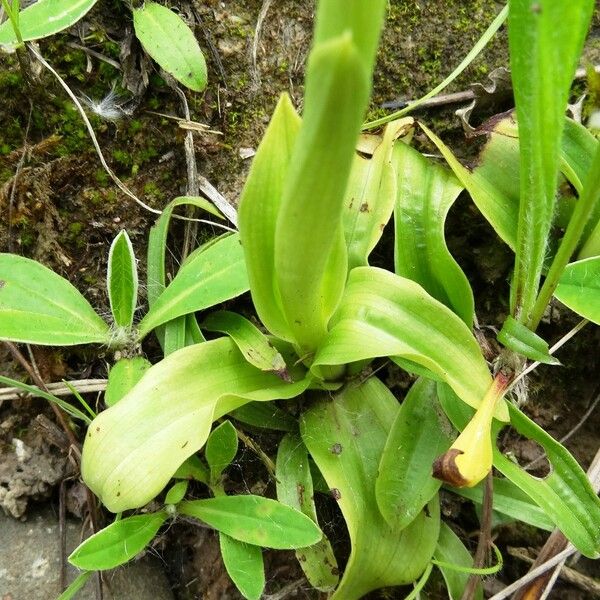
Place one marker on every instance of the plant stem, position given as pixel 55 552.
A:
pixel 590 196
pixel 14 21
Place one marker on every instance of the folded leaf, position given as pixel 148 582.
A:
pixel 520 339
pixel 221 448
pixel 122 280
pixel 265 415
pixel 425 193
pixel 37 306
pixel 173 407
pixel 382 314
pixel 255 520
pixel 579 288
pixel 123 375
pixel 346 436
pixel 244 564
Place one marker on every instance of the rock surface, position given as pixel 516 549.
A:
pixel 30 564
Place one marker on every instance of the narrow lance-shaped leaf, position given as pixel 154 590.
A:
pixel 383 314
pixel 173 407
pixel 122 280
pixel 346 437
pixel 545 41
pixel 518 338
pixel 177 492
pixel 244 564
pixel 295 488
pixel 579 288
pixel 221 448
pixel 265 415
pixel 44 18
pixel 37 306
pixel 171 43
pixel 425 193
pixel 255 520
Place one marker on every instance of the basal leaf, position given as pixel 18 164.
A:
pixel 172 407
pixel 255 520
pixel 425 193
pixel 123 375
pixel 117 543
pixel 221 448
pixel 122 280
pixel 579 288
pixel 45 18
pixel 213 275
pixel 295 488
pixel 346 435
pixel 37 306
pixel 382 314
pixel 545 42
pixel 418 435
pixel 171 43
pixel 177 492
pixel 520 339
pixel 265 415
pixel 244 564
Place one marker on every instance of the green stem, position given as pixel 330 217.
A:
pixel 14 20
pixel 589 198
pixel 475 51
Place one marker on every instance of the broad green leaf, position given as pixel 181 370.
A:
pixel 117 543
pixel 171 43
pixel 451 550
pixel 193 468
pixel 122 280
pixel 520 339
pixel 221 448
pixel 215 274
pixel 258 210
pixel 425 193
pixel 565 495
pixel 255 520
pixel 418 435
pixel 76 585
pixel 310 252
pixel 295 488
pixel 252 343
pixel 266 416
pixel 511 501
pixel 370 197
pixel 172 407
pixel 545 42
pixel 45 18
pixel 123 375
pixel 579 288
pixel 346 437
pixel 177 492
pixel 382 314
pixel 37 306
pixel 244 564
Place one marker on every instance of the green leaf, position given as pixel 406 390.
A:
pixel 252 343
pixel 177 492
pixel 520 339
pixel 579 288
pixel 75 586
pixel 122 280
pixel 171 43
pixel 221 448
pixel 193 468
pixel 266 416
pixel 37 306
pixel 346 436
pixel 382 314
pixel 511 501
pixel 295 488
pixel 45 18
pixel 419 434
pixel 212 275
pixel 172 407
pixel 244 564
pixel 545 43
pixel 119 542
pixel 255 520
pixel 123 375
pixel 451 550
pixel 425 193
pixel 565 495
pixel 310 252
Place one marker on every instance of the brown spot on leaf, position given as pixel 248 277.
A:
pixel 445 469
pixel 2 283
pixel 185 444
pixel 336 449
pixel 335 494
pixel 364 207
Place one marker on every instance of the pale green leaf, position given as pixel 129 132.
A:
pixel 520 339
pixel 123 375
pixel 221 448
pixel 119 542
pixel 255 520
pixel 171 43
pixel 172 407
pixel 45 18
pixel 122 280
pixel 37 306
pixel 295 488
pixel 177 492
pixel 244 564
pixel 346 438
pixel 579 288
pixel 425 193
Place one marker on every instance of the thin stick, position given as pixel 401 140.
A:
pixel 207 188
pixel 265 459
pixel 257 31
pixel 83 386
